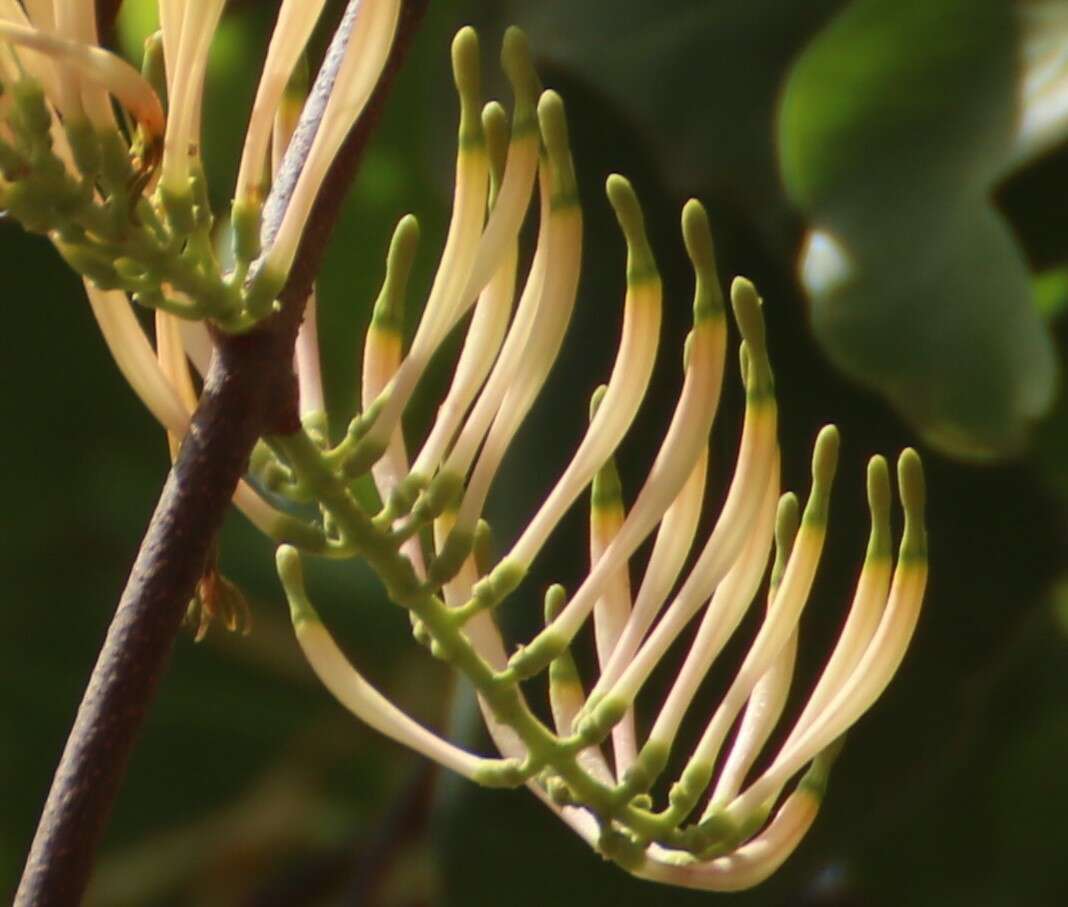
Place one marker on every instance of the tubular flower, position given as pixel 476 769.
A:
pixel 724 826
pixel 125 204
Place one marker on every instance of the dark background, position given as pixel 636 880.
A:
pixel 251 786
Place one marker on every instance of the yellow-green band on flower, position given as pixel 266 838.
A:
pixel 563 241
pixel 626 387
pixel 383 348
pixel 489 324
pixel 755 467
pixel 461 243
pixel 882 656
pixel 383 344
pixel 682 446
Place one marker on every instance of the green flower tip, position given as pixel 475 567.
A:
pixel 624 201
pixel 697 235
pixel 465 67
pixel 399 261
pixel 912 486
pixel 879 491
pixel 291 573
pixel 879 500
pixel 787 523
pixel 641 265
pixel 518 66
pixel 596 398
pixel 403 246
pixel 878 485
pixel 495 127
pixel 555 599
pixel 825 458
pixel 290 570
pixel 747 311
pixel 553 121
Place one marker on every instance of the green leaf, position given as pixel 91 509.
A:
pixel 895 124
pixel 898 106
pixel 945 328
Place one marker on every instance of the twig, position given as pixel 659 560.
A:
pixel 250 391
pixel 142 633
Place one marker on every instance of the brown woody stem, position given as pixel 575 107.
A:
pixel 250 391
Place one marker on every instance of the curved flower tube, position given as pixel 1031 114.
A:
pixel 747 826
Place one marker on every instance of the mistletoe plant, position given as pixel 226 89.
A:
pixel 124 201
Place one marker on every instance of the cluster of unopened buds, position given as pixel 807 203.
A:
pixel 125 203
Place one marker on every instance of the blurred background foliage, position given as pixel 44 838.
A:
pixel 251 787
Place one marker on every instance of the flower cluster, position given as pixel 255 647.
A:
pixel 140 231
pixel 88 158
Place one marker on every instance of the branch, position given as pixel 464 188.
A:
pixel 250 391
pixel 138 644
